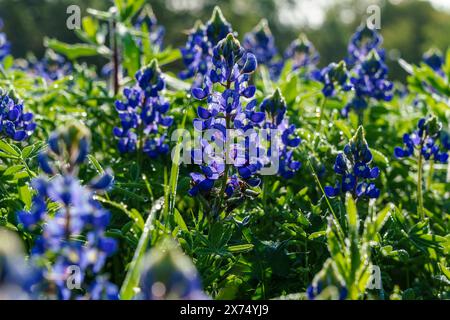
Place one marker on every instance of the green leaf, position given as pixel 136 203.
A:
pixel 8 149
pixel 12 170
pixel 74 51
pixel 352 212
pixel 240 248
pixel 131 281
pixel 180 221
pixel 132 214
pixel 379 157
pixel 341 125
pixel 131 54
pixel 317 234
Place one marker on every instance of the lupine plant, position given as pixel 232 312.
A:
pixel 426 141
pixel 15 123
pixel 368 71
pixel 52 67
pixel 70 245
pixel 303 54
pixel 221 223
pixel 261 43
pixel 354 166
pixel 232 67
pixel 143 115
pixel 198 51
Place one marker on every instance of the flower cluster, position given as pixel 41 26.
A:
pixel 15 123
pixel 52 67
pixel 302 53
pixel 354 166
pixel 369 70
pixel 434 59
pixel 363 41
pixel 143 114
pixel 72 248
pixel 231 69
pixel 334 77
pixel 275 109
pixel 198 51
pixel 146 21
pixel 369 80
pixel 261 43
pixel 167 274
pixel 425 139
pixel 5 46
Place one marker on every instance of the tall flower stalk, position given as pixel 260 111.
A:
pixel 425 139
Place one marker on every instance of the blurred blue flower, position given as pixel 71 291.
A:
pixel 435 60
pixel 302 53
pixel 198 50
pixel 146 21
pixel 52 66
pixel 5 45
pixel 168 274
pixel 334 77
pixel 363 41
pixel 261 43
pixel 71 223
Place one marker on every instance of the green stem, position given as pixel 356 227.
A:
pixel 419 185
pixel 322 107
pixel 430 174
pixel 225 176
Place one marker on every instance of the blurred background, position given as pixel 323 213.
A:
pixel 409 27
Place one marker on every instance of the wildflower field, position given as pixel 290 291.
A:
pixel 252 173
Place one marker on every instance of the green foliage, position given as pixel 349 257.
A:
pixel 291 235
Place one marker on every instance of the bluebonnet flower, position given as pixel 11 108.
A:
pixel 196 54
pixel 334 77
pixel 72 245
pixel 434 59
pixel 198 50
pixel 445 140
pixel 231 69
pixel 363 41
pixel 353 165
pixel 143 114
pixel 368 70
pixel 168 274
pixel 217 28
pixel 5 46
pixel 146 21
pixel 369 80
pixel 302 53
pixel 261 43
pixel 15 123
pixel 275 109
pixel 52 67
pixel 425 139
